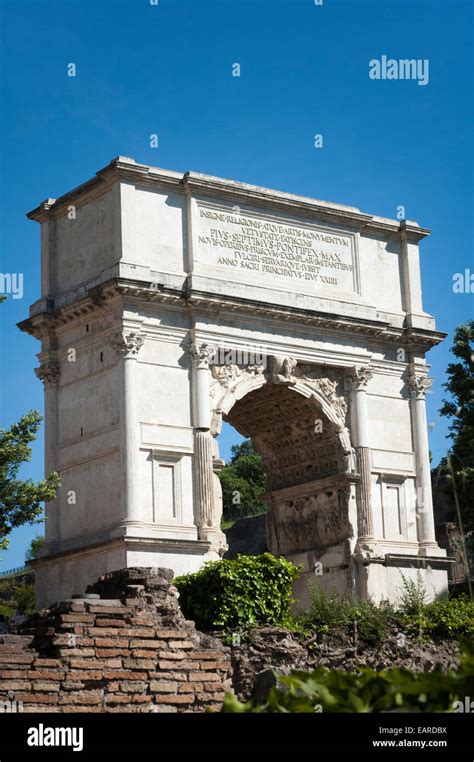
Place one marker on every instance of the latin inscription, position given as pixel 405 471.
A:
pixel 250 244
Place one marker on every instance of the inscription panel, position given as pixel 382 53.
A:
pixel 285 254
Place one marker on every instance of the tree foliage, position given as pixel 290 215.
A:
pixel 24 598
pixel 21 499
pixel 243 483
pixel 460 409
pixel 35 546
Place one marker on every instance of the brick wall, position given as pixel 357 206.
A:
pixel 129 650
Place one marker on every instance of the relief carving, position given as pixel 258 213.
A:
pixel 254 370
pixel 226 375
pixel 216 422
pixel 329 383
pixel 320 519
pixel 281 370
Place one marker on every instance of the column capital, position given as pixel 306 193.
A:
pixel 358 377
pixel 127 345
pixel 419 385
pixel 200 354
pixel 48 373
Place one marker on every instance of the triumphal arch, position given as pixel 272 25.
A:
pixel 171 303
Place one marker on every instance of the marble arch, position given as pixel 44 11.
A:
pixel 156 268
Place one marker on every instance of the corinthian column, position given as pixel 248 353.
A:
pixel 49 373
pixel 204 480
pixel 199 355
pixel 419 385
pixel 358 380
pixel 127 348
pixel 207 501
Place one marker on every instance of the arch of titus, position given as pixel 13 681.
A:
pixel 172 302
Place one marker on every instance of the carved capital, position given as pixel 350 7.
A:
pixel 358 378
pixel 128 345
pixel 48 373
pixel 419 385
pixel 200 354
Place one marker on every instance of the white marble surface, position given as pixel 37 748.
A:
pixel 159 255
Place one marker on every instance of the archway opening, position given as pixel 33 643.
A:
pixel 308 489
pixel 296 440
pixel 242 478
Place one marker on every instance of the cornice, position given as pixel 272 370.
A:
pixel 195 183
pixel 253 195
pixel 41 212
pixel 98 297
pixel 233 304
pixel 120 168
pixel 421 337
pixel 411 230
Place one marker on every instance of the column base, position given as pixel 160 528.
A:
pixel 217 540
pixel 431 549
pixel 367 550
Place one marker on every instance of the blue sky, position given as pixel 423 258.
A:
pixel 167 69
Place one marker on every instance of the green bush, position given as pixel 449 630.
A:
pixel 451 617
pixel 448 618
pixel 239 593
pixel 328 612
pixel 413 598
pixel 445 617
pixel 394 690
pixel 413 606
pixel 374 621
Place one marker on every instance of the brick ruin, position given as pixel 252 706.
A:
pixel 124 646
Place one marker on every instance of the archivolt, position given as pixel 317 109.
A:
pixel 240 383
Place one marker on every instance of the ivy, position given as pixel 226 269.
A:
pixel 237 594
